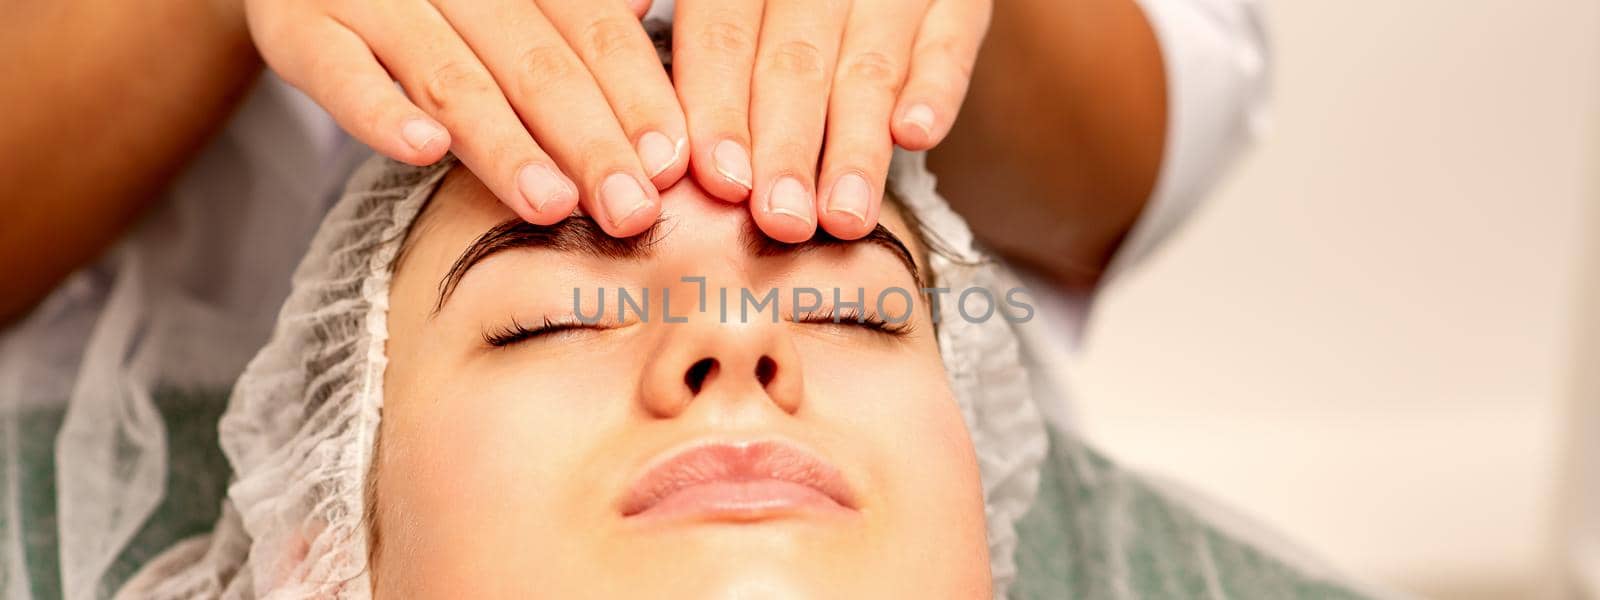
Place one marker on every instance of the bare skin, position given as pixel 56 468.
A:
pixel 1061 139
pixel 1052 165
pixel 512 438
pixel 104 104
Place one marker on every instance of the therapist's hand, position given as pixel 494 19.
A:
pixel 549 102
pixel 763 82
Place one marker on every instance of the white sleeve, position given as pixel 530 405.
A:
pixel 1217 66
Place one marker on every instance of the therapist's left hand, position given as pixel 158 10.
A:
pixel 764 82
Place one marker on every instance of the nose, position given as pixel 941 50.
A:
pixel 712 357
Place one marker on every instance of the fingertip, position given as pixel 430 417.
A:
pixel 634 224
pixel 418 158
pixel 670 177
pixel 627 207
pixel 412 158
pixel 844 227
pixel 917 127
pixel 519 205
pixel 730 160
pixel 788 214
pixel 425 141
pixel 665 161
pixel 850 209
pixel 726 175
pixel 526 211
pixel 784 229
pixel 914 141
pixel 554 211
pixel 546 195
pixel 639 7
pixel 722 190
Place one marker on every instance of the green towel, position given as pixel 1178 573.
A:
pixel 1095 531
pixel 197 480
pixel 1098 531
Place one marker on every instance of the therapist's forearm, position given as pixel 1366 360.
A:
pixel 104 101
pixel 1060 141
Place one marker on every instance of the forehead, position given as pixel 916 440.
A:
pixel 462 209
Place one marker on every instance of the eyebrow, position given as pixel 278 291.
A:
pixel 760 245
pixel 582 236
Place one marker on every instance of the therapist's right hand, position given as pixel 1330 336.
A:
pixel 547 101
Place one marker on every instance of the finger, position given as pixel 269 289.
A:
pixel 562 106
pixel 941 68
pixel 622 59
pixel 789 102
pixel 714 50
pixel 872 67
pixel 638 7
pixel 442 76
pixel 342 76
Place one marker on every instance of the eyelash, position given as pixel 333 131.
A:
pixel 517 332
pixel 855 317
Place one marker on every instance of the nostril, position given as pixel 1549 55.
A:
pixel 766 369
pixel 695 378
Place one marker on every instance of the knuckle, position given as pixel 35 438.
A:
pixel 374 121
pixel 542 65
pixel 347 92
pixel 962 67
pixel 281 50
pixel 793 152
pixel 726 117
pixel 271 38
pixel 453 81
pixel 598 156
pixel 726 37
pixel 799 59
pixel 316 72
pixel 609 37
pixel 953 53
pixel 641 110
pixel 870 150
pixel 859 136
pixel 874 68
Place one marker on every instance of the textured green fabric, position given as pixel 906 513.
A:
pixel 1097 531
pixel 197 480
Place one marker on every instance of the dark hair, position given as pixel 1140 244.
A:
pixel 931 242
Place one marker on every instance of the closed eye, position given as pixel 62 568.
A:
pixel 856 318
pixel 517 332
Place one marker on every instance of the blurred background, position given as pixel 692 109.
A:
pixel 1382 334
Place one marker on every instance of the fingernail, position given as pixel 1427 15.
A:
pixel 542 186
pixel 732 162
pixel 420 133
pixel 622 197
pixel 789 198
pixel 921 117
pixel 656 152
pixel 851 195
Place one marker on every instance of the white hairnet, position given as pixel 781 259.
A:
pixel 300 427
pixel 99 382
pixel 1062 520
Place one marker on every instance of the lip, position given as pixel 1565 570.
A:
pixel 738 482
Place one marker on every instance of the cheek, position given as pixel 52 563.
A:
pixel 900 413
pixel 493 449
pixel 899 410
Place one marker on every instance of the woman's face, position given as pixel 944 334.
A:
pixel 690 455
